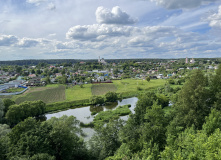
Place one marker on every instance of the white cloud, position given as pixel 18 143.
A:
pixel 97 32
pixel 215 19
pixel 114 16
pixel 51 6
pixel 181 4
pixel 36 2
pixel 8 40
pixel 28 42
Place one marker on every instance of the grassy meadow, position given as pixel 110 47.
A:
pixel 101 89
pixel 78 93
pixel 132 85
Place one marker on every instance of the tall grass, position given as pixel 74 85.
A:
pixel 101 89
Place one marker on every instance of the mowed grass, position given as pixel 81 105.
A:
pixel 78 93
pixel 131 85
pixel 101 89
pixel 49 94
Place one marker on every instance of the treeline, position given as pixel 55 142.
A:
pixel 60 61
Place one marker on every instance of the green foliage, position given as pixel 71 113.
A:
pixel 56 137
pixel 7 104
pixel 97 100
pixel 192 105
pixel 111 97
pixel 106 140
pixel 213 121
pixel 42 156
pixel 148 79
pixel 143 141
pixel 171 81
pixel 18 113
pixel 4 130
pixel 139 88
pixel 2 108
pixel 66 105
pixel 106 116
pixel 216 88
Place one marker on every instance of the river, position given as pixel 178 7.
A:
pixel 83 114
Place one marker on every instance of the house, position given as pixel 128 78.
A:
pixel 58 74
pixel 210 67
pixel 95 71
pixel 160 76
pixel 169 75
pixel 82 62
pixel 14 84
pixel 52 67
pixel 189 68
pixel 32 75
pixel 101 78
pixel 36 81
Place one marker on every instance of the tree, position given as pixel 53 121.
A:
pixel 216 88
pixel 97 100
pixel 7 104
pixel 18 69
pixel 4 130
pixel 111 97
pixel 148 79
pixel 106 140
pixel 56 137
pixel 2 108
pixel 212 122
pixel 193 104
pixel 18 113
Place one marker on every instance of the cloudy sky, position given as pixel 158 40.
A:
pixel 87 29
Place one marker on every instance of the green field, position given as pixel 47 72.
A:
pixel 50 94
pixel 58 93
pixel 101 89
pixel 78 93
pixel 131 85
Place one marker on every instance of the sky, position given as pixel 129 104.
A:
pixel 111 29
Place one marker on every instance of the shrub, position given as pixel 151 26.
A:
pixel 97 100
pixel 111 97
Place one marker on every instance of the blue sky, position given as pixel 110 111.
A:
pixel 87 29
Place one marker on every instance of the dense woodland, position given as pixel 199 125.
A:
pixel 190 129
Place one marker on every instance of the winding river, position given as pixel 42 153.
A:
pixel 83 114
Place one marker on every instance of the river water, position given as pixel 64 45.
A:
pixel 83 114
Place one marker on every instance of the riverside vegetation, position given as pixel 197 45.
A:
pixel 189 129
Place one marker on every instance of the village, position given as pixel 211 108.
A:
pixel 99 71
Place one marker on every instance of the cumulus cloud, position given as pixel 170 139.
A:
pixel 66 45
pixel 114 16
pixel 215 19
pixel 180 4
pixel 8 40
pixel 27 42
pixel 97 32
pixel 36 2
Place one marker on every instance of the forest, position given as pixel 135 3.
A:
pixel 190 129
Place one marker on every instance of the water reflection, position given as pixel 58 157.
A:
pixel 96 108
